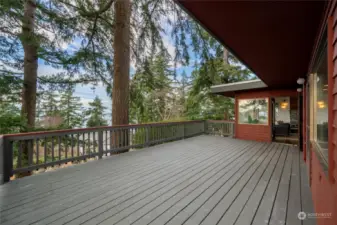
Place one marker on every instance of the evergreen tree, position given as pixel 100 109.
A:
pixel 109 33
pixel 50 104
pixel 183 90
pixel 221 68
pixel 71 110
pixel 10 91
pixel 96 113
pixel 34 30
pixel 153 95
pixel 10 119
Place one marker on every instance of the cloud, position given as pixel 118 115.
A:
pixel 171 49
pixel 87 94
pixel 46 70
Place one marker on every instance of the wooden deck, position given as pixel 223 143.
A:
pixel 201 180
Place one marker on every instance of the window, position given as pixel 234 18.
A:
pixel 253 111
pixel 319 103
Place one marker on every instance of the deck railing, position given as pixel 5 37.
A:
pixel 220 127
pixel 25 152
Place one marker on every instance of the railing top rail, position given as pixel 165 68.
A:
pixel 221 121
pixel 78 130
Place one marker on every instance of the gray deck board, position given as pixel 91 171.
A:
pixel 232 213
pixel 200 180
pixel 163 194
pixel 262 215
pixel 294 201
pixel 279 211
pixel 248 213
pixel 307 205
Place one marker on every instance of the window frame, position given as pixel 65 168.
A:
pixel 323 51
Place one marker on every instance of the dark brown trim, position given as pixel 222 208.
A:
pixel 320 34
pixel 96 128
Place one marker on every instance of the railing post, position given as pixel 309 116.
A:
pixel 184 132
pixel 2 161
pixel 100 144
pixel 6 163
pixel 205 126
pixel 147 136
pixel 232 130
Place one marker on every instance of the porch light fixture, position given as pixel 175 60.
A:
pixel 284 105
pixel 299 89
pixel 300 81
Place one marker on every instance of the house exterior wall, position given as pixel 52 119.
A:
pixel 322 180
pixel 258 132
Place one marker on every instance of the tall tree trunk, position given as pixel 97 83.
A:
pixel 30 64
pixel 120 90
pixel 226 62
pixel 30 46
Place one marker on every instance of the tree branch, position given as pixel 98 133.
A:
pixel 79 81
pixel 83 12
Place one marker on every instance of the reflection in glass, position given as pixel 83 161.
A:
pixel 320 104
pixel 322 110
pixel 253 111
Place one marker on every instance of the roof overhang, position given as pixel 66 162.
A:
pixel 230 89
pixel 274 39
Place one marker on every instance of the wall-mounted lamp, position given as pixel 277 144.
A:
pixel 299 89
pixel 284 105
pixel 300 81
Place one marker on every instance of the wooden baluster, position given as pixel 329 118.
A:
pixel 83 144
pixel 106 140
pixel 37 151
pixel 30 152
pixel 93 142
pixel 65 146
pixel 59 146
pixel 19 163
pixel 52 149
pixel 78 145
pixel 45 150
pixel 72 145
pixel 123 137
pixel 89 144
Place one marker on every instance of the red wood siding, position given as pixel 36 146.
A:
pixel 322 193
pixel 323 184
pixel 258 132
pixel 332 90
pixel 254 132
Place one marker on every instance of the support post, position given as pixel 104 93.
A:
pixel 6 163
pixel 100 144
pixel 300 121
